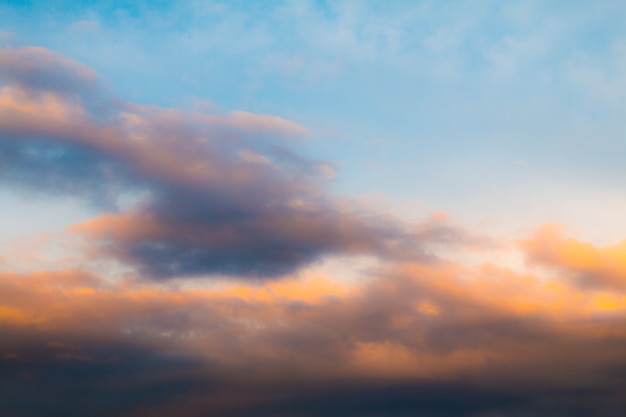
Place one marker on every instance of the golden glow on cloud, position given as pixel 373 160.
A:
pixel 391 326
pixel 594 267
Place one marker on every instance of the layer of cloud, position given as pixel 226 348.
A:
pixel 404 341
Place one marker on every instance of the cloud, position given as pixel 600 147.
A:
pixel 583 263
pixel 39 69
pixel 197 193
pixel 404 340
pixel 186 194
pixel 215 193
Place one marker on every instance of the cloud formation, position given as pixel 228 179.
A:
pixel 187 194
pixel 406 339
pixel 213 193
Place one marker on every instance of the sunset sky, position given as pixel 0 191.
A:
pixel 313 208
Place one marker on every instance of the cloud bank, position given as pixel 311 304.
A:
pixel 401 344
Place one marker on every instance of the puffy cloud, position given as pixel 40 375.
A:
pixel 215 194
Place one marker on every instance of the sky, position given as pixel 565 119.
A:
pixel 304 208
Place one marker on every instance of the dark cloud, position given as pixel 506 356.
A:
pixel 134 381
pixel 56 374
pixel 111 379
pixel 266 242
pixel 429 399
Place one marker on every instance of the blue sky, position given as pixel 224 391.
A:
pixel 480 105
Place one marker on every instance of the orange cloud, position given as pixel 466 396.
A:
pixel 587 265
pixel 415 320
pixel 408 323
